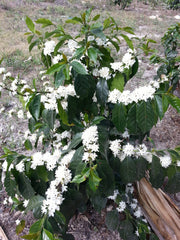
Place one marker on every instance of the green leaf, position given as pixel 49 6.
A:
pixel 165 103
pixel 97 120
pixel 45 22
pixel 128 170
pixel 135 67
pixel 112 220
pixel 118 82
pixel 102 91
pixel 74 20
pixel 10 185
pixel 59 217
pixel 126 230
pixel 37 226
pixel 30 24
pixel 74 142
pixel 81 177
pixel 132 125
pixel 156 173
pixel 78 67
pixel 174 101
pixel 24 185
pixel 119 117
pixel 173 185
pixel 159 105
pixel 128 41
pixel 92 54
pixel 49 116
pixel 98 202
pixel 35 202
pixel 29 38
pixel 95 18
pixel 60 77
pixel 33 44
pixel 31 236
pixel 141 167
pixel 54 68
pixel 77 165
pixel 28 144
pixel 62 113
pixel 34 106
pixel 94 180
pixel 105 172
pixel 20 227
pixel 145 116
pixel 84 86
pixel 46 235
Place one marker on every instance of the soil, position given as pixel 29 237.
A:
pixel 91 226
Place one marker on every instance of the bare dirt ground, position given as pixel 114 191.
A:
pixel 89 226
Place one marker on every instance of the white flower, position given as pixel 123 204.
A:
pixel 90 142
pixel 104 72
pixel 53 200
pixel 20 166
pixel 165 161
pixel 57 58
pixel 125 134
pixel 25 203
pixel 114 196
pixel 128 59
pixel 20 114
pixel 67 158
pixel 100 42
pixel 129 188
pixel 128 149
pixel 121 207
pixel 117 66
pixel 115 147
pixel 6 75
pixel 63 175
pixel 178 163
pixel 17 222
pixel 2 70
pixel 72 45
pixel 37 160
pixel 49 47
pixel 138 213
pixel 90 38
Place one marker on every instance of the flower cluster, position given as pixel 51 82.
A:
pixel 90 143
pixel 54 194
pixel 62 92
pixel 123 151
pixel 143 93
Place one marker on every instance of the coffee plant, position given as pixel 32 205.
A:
pixel 173 4
pixel 86 130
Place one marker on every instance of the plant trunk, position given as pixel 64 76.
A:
pixel 160 211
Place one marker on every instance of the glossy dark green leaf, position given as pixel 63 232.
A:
pixel 78 67
pixel 174 101
pixel 49 117
pixel 84 85
pixel 132 125
pixel 128 170
pixel 74 142
pixel 77 165
pixel 10 185
pixel 145 116
pixel 35 202
pixel 173 185
pixel 126 230
pixel 159 105
pixel 119 117
pixel 141 167
pixel 54 68
pixel 112 220
pixel 60 77
pixel 102 91
pixel 98 202
pixel 157 173
pixel 24 185
pixel 34 106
